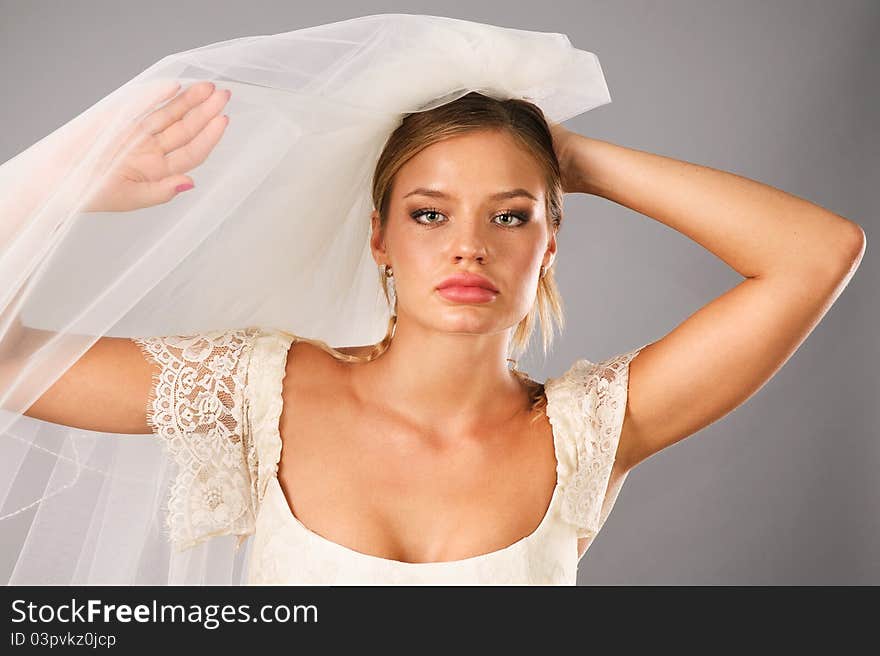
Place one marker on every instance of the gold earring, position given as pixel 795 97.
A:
pixel 388 272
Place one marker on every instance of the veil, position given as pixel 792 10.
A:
pixel 275 233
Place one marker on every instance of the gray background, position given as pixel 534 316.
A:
pixel 783 490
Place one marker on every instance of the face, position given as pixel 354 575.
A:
pixel 446 216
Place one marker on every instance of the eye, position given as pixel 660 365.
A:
pixel 521 217
pixel 424 212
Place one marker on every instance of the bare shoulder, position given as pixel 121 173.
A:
pixel 308 362
pixel 314 382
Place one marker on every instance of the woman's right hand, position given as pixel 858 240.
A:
pixel 163 146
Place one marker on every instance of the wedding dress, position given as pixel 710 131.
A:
pixel 228 466
pixel 272 242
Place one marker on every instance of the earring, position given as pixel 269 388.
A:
pixel 543 271
pixel 392 291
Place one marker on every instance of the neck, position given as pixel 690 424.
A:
pixel 454 383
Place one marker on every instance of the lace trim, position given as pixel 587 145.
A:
pixel 586 407
pixel 196 405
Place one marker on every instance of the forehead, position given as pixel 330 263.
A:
pixel 476 163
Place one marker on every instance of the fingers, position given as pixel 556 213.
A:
pixel 193 122
pixel 197 150
pixel 172 112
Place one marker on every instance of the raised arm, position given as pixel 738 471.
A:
pixel 796 258
pixel 106 390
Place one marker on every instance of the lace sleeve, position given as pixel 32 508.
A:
pixel 197 407
pixel 589 411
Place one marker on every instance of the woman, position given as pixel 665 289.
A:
pixel 423 458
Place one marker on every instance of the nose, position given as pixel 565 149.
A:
pixel 469 243
pixel 481 258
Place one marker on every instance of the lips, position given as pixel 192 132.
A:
pixel 465 279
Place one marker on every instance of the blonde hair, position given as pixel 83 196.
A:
pixel 526 123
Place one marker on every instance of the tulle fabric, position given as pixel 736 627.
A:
pixel 274 234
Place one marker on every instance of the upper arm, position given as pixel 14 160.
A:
pixel 721 355
pixel 105 390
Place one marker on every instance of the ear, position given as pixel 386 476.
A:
pixel 550 253
pixel 377 240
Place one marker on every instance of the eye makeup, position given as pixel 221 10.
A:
pixel 522 217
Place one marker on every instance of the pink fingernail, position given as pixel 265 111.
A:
pixel 184 187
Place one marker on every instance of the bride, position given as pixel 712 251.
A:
pixel 426 456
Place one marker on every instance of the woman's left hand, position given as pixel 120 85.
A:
pixel 563 144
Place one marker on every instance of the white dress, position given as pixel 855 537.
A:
pixel 216 402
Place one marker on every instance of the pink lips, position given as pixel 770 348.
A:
pixel 467 288
pixel 464 294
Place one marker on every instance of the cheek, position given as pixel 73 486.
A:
pixel 526 259
pixel 522 269
pixel 418 257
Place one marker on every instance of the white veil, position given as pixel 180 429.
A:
pixel 275 234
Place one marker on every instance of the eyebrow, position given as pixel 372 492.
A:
pixel 436 193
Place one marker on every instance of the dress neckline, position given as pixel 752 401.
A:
pixel 284 508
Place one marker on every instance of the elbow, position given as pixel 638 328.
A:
pixel 844 254
pixel 853 246
pixel 860 241
pixel 835 254
pixel 840 253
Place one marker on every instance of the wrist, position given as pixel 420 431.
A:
pixel 581 169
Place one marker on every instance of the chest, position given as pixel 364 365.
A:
pixel 361 478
